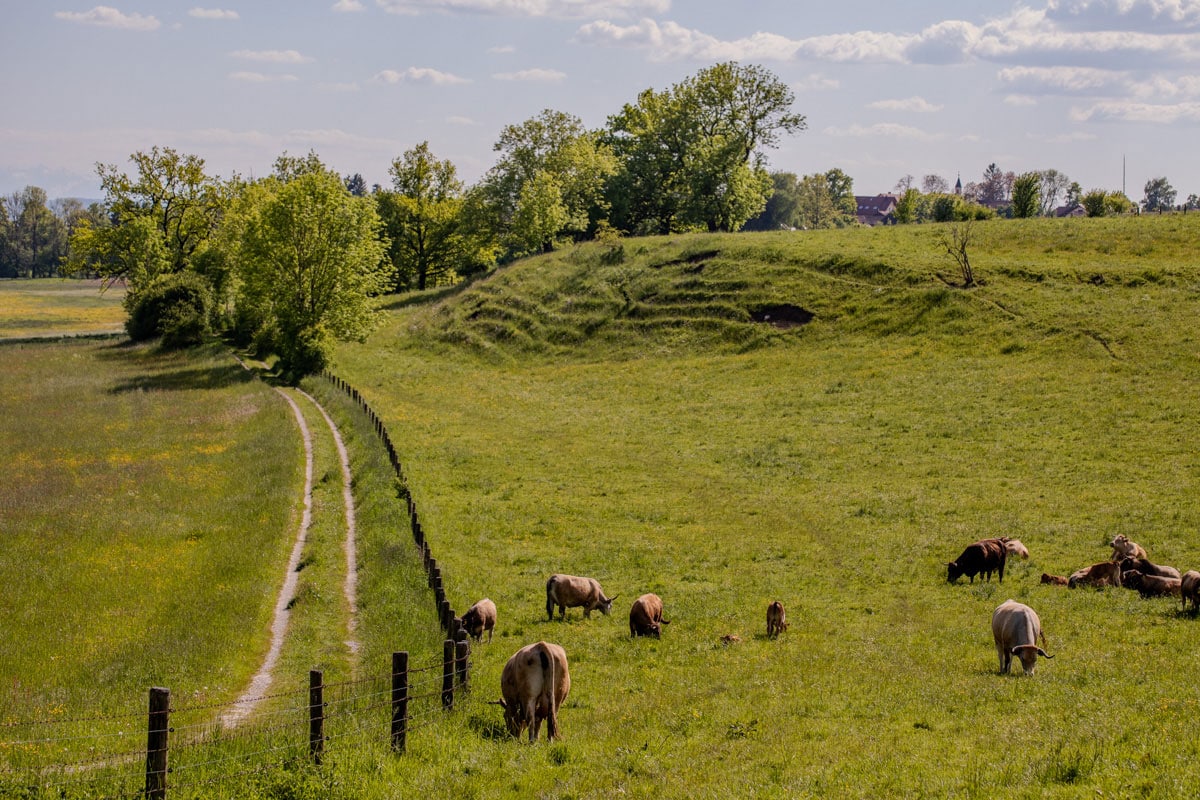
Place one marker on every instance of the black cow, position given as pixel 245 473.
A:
pixel 985 556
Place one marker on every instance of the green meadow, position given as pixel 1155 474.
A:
pixel 59 307
pixel 823 418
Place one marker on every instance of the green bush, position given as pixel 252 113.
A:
pixel 177 307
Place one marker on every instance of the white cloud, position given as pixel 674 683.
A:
pixel 532 76
pixel 258 77
pixel 419 75
pixel 1019 100
pixel 887 129
pixel 107 17
pixel 1165 16
pixel 1061 80
pixel 816 82
pixel 272 56
pixel 559 9
pixel 1132 111
pixel 916 104
pixel 212 13
pixel 347 6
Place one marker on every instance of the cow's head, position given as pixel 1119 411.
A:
pixel 953 571
pixel 605 605
pixel 514 716
pixel 1028 653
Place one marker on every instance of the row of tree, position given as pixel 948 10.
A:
pixel 35 233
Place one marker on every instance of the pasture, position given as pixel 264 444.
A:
pixel 621 415
pixel 59 307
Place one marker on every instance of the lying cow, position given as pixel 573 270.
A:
pixel 1054 580
pixel 776 619
pixel 985 556
pixel 1015 548
pixel 1153 585
pixel 1106 573
pixel 479 618
pixel 1146 568
pixel 1123 548
pixel 533 686
pixel 646 617
pixel 1016 628
pixel 1189 589
pixel 568 591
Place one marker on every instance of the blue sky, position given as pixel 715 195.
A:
pixel 888 89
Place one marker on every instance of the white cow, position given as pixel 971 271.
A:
pixel 1016 629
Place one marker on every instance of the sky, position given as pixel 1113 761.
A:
pixel 1105 91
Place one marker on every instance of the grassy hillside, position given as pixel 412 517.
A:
pixel 59 307
pixel 618 412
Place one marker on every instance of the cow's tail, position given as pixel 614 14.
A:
pixel 550 597
pixel 551 679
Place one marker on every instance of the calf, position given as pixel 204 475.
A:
pixel 1106 573
pixel 1055 580
pixel 776 620
pixel 1015 548
pixel 568 591
pixel 533 686
pixel 1146 568
pixel 1153 585
pixel 1189 589
pixel 1015 629
pixel 479 618
pixel 1123 548
pixel 985 556
pixel 646 617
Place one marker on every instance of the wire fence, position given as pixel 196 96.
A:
pixel 187 751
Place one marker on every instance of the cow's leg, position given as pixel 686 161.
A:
pixel 535 722
pixel 552 723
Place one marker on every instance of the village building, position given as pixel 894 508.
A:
pixel 879 209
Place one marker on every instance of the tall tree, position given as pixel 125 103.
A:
pixel 310 256
pixel 1026 195
pixel 36 239
pixel 1160 195
pixel 935 184
pixel 356 185
pixel 994 186
pixel 782 209
pixel 1052 185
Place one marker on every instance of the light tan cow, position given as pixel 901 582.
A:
pixel 1123 548
pixel 1015 548
pixel 533 687
pixel 1106 573
pixel 479 618
pixel 1189 588
pixel 1016 628
pixel 569 591
pixel 776 619
pixel 646 617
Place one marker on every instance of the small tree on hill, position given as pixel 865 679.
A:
pixel 955 239
pixel 1026 194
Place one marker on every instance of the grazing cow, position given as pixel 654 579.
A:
pixel 1189 589
pixel 1016 628
pixel 1123 548
pixel 645 618
pixel 533 686
pixel 479 618
pixel 776 620
pixel 1146 568
pixel 1056 580
pixel 1106 573
pixel 985 556
pixel 568 591
pixel 1153 585
pixel 1015 548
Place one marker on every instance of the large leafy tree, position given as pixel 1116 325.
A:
pixel 34 237
pixel 1160 195
pixel 782 209
pixel 1026 195
pixel 309 256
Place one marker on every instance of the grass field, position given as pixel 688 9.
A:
pixel 620 415
pixel 59 307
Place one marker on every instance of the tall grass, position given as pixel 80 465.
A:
pixel 58 307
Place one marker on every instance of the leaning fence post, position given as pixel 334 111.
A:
pixel 316 715
pixel 156 743
pixel 399 701
pixel 462 651
pixel 448 674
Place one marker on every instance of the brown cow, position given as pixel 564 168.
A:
pixel 776 620
pixel 1015 629
pixel 645 618
pixel 1106 573
pixel 1189 588
pixel 1055 580
pixel 1123 548
pixel 568 591
pixel 533 686
pixel 1146 568
pixel 479 618
pixel 1152 585
pixel 986 556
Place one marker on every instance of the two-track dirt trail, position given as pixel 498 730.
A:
pixel 308 414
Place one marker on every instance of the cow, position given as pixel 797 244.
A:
pixel 479 618
pixel 1016 628
pixel 1146 568
pixel 568 591
pixel 646 617
pixel 1106 573
pixel 776 620
pixel 985 556
pixel 1189 589
pixel 1015 548
pixel 1054 580
pixel 1123 548
pixel 533 687
pixel 1153 585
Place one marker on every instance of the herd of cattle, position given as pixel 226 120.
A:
pixel 535 681
pixel 1016 627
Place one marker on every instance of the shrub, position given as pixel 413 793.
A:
pixel 177 307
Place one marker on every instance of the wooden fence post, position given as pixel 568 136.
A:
pixel 399 701
pixel 316 715
pixel 462 653
pixel 448 674
pixel 156 743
